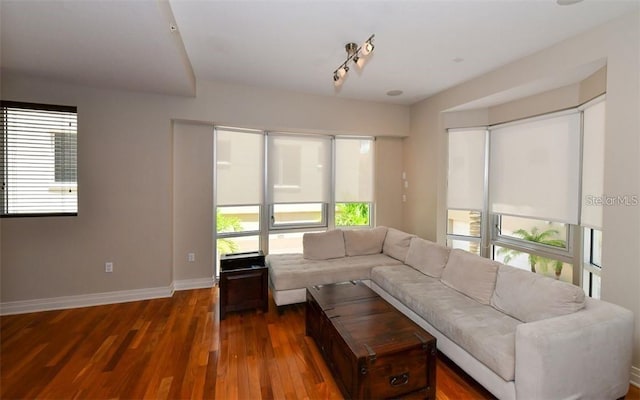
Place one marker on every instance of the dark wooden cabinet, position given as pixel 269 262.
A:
pixel 244 283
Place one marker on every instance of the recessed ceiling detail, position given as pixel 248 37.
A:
pixel 288 46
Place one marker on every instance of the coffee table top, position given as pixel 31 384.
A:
pixel 328 296
pixel 368 324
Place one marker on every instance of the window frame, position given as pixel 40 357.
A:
pixel 56 185
pixel 273 226
pixel 588 265
pixel 565 254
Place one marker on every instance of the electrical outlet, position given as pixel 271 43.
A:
pixel 191 257
pixel 108 267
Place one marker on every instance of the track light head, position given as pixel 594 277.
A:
pixel 367 48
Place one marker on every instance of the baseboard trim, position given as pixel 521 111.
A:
pixel 84 300
pixel 197 283
pixel 635 376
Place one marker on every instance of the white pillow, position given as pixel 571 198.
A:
pixel 323 245
pixel 360 242
pixel 427 257
pixel 396 244
pixel 471 274
pixel 529 297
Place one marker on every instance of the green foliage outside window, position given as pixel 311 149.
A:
pixel 227 223
pixel 352 214
pixel 545 237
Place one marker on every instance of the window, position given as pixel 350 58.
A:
pixel 533 262
pixel 354 181
pixel 238 188
pixel 528 200
pixel 540 246
pixel 465 189
pixel 545 233
pixel 592 262
pixel 464 230
pixel 298 214
pixel 38 160
pixel 271 187
pixel 299 176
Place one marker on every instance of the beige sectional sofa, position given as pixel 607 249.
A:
pixel 520 335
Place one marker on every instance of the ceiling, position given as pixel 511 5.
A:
pixel 422 47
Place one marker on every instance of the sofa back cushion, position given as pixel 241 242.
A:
pixel 323 245
pixel 396 244
pixel 531 297
pixel 471 275
pixel 427 257
pixel 362 242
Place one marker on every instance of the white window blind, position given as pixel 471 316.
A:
pixel 354 170
pixel 299 168
pixel 593 164
pixel 38 162
pixel 465 184
pixel 239 156
pixel 534 168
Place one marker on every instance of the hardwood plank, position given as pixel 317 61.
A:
pixel 177 348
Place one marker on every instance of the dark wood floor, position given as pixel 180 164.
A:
pixel 174 348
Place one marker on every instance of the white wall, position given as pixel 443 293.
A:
pixel 130 186
pixel 619 43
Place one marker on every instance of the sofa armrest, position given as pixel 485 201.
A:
pixel 586 354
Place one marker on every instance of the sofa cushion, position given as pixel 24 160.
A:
pixel 361 242
pixel 471 275
pixel 396 244
pixel 292 271
pixel 532 297
pixel 323 245
pixel 484 332
pixel 427 257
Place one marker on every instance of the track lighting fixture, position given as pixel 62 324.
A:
pixel 355 54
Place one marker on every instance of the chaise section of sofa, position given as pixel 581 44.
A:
pixel 334 256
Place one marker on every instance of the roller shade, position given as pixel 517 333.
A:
pixel 593 164
pixel 534 168
pixel 465 183
pixel 239 156
pixel 299 168
pixel 354 170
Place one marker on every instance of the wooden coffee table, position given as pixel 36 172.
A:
pixel 373 350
